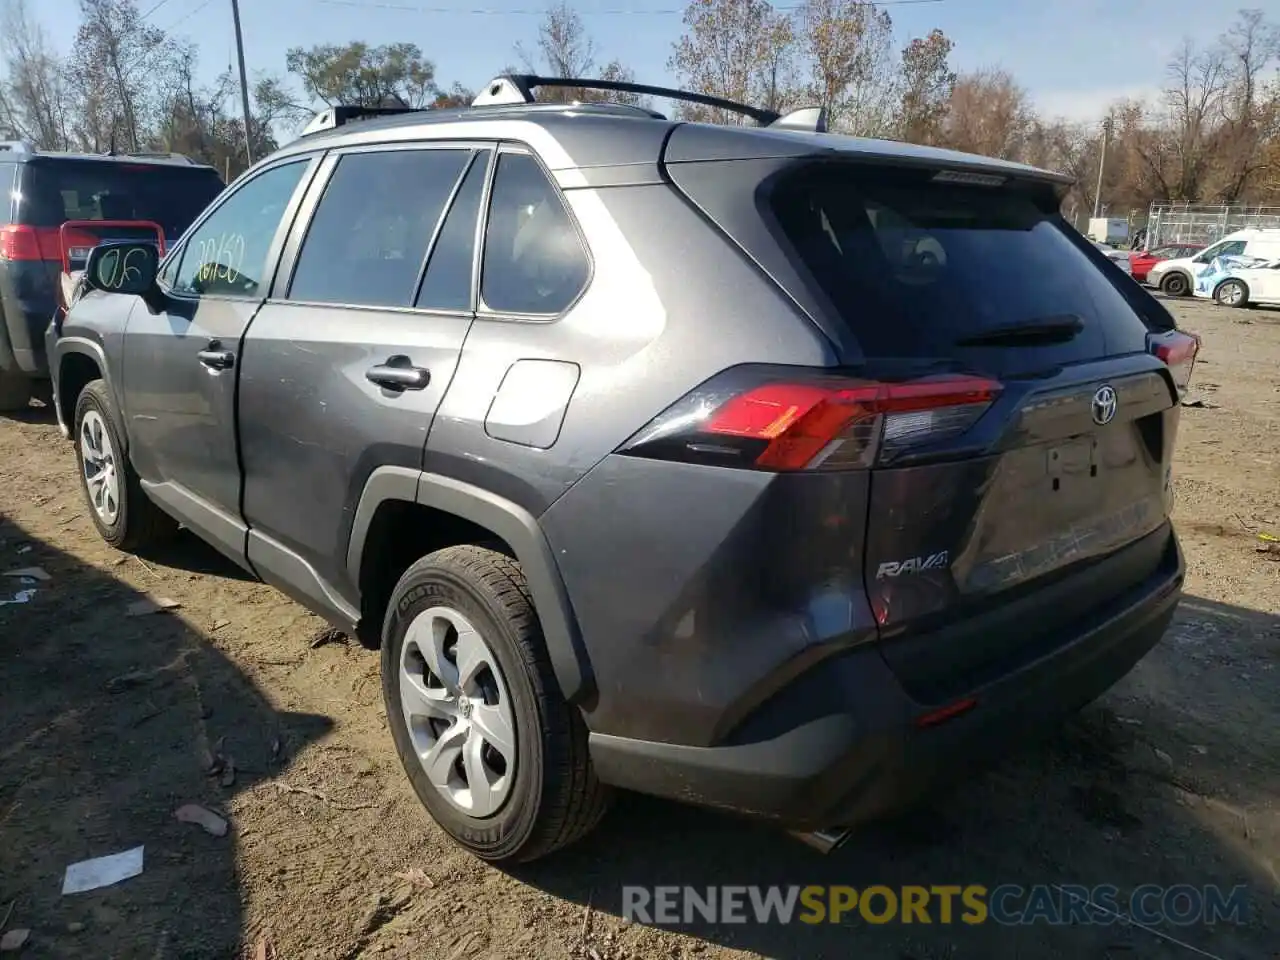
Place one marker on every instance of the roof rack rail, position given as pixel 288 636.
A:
pixel 517 88
pixel 343 114
pixel 18 146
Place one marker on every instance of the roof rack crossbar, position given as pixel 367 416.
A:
pixel 518 88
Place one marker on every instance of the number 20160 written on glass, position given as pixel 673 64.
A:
pixel 221 258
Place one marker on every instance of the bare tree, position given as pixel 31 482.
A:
pixel 564 49
pixel 33 98
pixel 853 74
pixel 1193 100
pixel 1251 113
pixel 116 54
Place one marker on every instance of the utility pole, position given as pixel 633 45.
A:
pixel 244 81
pixel 1102 164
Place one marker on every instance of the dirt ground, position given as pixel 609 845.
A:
pixel 108 723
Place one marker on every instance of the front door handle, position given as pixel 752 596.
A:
pixel 399 373
pixel 215 358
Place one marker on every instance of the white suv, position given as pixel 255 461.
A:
pixel 1177 277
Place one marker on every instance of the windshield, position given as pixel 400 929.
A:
pixel 916 266
pixel 55 190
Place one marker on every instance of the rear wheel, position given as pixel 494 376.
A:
pixel 1232 293
pixel 120 509
pixel 1175 285
pixel 15 392
pixel 493 751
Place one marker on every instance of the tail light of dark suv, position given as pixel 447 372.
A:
pixel 1178 350
pixel 767 419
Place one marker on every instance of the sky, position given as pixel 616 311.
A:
pixel 1073 56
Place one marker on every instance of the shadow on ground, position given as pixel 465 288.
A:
pixel 106 725
pixel 188 552
pixel 1173 778
pixel 37 412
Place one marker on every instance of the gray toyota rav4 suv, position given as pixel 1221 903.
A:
pixel 751 466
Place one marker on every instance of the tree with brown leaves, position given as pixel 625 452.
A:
pixel 736 49
pixel 927 82
pixel 849 48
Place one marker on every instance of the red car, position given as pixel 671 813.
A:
pixel 1141 261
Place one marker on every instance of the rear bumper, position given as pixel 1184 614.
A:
pixel 843 746
pixel 24 320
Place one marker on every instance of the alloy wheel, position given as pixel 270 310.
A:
pixel 101 476
pixel 458 711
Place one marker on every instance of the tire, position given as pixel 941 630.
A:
pixel 15 392
pixel 550 796
pixel 135 521
pixel 1175 285
pixel 1232 293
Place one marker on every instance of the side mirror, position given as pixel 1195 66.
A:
pixel 128 268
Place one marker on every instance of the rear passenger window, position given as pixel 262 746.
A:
pixel 447 284
pixel 371 230
pixel 534 262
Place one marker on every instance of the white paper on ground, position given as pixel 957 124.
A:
pixel 102 871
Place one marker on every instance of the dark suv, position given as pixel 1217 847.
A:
pixel 755 467
pixel 54 207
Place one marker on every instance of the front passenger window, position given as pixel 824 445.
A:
pixel 1232 249
pixel 227 254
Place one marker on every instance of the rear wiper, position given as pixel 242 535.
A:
pixel 1043 330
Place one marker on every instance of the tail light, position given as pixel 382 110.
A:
pixel 767 419
pixel 22 242
pixel 63 244
pixel 1178 351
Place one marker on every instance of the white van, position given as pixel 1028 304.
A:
pixel 1177 277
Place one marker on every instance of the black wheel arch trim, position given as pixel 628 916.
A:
pixel 513 524
pixel 94 351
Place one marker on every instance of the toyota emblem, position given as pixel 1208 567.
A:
pixel 1104 404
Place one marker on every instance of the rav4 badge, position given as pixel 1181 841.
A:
pixel 896 568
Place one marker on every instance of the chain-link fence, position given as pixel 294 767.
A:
pixel 1203 223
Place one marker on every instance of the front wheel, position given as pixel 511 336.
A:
pixel 120 509
pixel 493 751
pixel 1232 293
pixel 1175 285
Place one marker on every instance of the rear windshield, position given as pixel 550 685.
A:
pixel 916 266
pixel 56 190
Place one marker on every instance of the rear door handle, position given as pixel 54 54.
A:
pixel 399 373
pixel 216 358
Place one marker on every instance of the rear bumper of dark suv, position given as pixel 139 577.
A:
pixel 846 743
pixel 26 307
